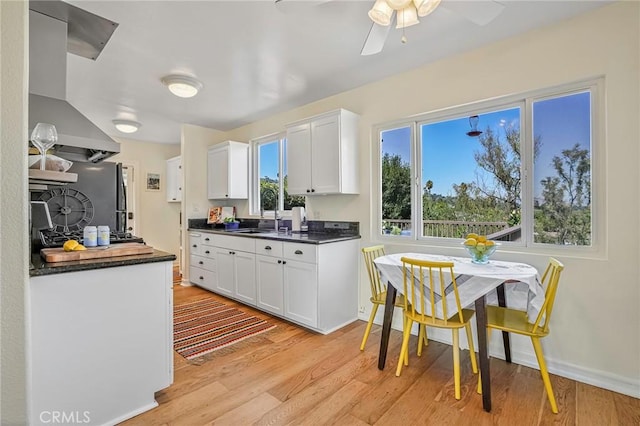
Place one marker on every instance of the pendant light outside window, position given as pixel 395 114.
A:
pixel 425 7
pixel 381 13
pixel 127 126
pixel 473 123
pixel 182 85
pixel 407 17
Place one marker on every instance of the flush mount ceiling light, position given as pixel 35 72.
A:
pixel 182 85
pixel 127 126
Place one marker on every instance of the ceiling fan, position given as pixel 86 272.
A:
pixel 406 12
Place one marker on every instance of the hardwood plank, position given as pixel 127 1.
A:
pixel 565 392
pixel 335 406
pixel 248 412
pixel 627 409
pixel 596 406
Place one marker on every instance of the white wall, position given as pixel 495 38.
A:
pixel 596 324
pixel 158 221
pixel 14 234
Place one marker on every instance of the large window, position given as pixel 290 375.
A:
pixel 466 170
pixel 269 165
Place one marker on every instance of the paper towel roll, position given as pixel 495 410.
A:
pixel 297 217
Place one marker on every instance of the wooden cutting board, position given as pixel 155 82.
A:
pixel 124 249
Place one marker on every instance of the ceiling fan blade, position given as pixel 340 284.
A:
pixel 375 39
pixel 480 12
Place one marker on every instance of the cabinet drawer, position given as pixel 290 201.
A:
pixel 195 243
pixel 203 262
pixel 201 277
pixel 300 252
pixel 207 239
pixel 236 243
pixel 269 248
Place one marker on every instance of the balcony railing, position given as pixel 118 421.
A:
pixel 499 231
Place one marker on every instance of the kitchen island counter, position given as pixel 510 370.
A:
pixel 40 267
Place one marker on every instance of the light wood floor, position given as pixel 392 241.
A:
pixel 293 376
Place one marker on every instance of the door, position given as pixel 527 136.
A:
pixel 299 159
pixel 269 279
pixel 325 151
pixel 301 292
pixel 245 277
pixel 226 271
pixel 217 173
pixel 129 180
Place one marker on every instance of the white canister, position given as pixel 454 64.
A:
pixel 297 217
pixel 90 236
pixel 103 235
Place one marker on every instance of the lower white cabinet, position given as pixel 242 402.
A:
pixel 314 285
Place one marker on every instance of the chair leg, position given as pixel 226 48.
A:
pixel 421 338
pixel 472 349
pixel 369 324
pixel 402 359
pixel 456 362
pixel 537 347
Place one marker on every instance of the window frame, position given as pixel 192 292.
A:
pixel 525 100
pixel 254 183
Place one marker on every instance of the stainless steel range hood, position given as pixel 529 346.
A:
pixel 78 138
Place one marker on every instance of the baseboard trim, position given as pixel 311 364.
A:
pixel 598 378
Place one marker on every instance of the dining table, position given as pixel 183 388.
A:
pixel 478 284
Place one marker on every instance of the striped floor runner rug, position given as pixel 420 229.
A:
pixel 207 325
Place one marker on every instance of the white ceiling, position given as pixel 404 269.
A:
pixel 256 58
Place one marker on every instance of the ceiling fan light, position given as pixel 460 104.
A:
pixel 407 17
pixel 381 13
pixel 182 85
pixel 398 4
pixel 425 7
pixel 126 126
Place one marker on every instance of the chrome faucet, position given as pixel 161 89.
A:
pixel 275 210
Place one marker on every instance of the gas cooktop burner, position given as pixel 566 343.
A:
pixel 56 238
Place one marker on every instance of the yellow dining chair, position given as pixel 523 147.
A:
pixel 422 303
pixel 515 321
pixel 379 293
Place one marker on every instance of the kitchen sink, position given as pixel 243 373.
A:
pixel 250 231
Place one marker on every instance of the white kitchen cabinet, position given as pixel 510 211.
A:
pixel 202 261
pixel 174 179
pixel 270 276
pixel 322 154
pixel 228 171
pixel 235 265
pixel 301 292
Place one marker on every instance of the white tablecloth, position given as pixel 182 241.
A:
pixel 475 280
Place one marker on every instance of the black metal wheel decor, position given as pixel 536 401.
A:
pixel 70 210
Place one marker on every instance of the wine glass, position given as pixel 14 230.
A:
pixel 43 137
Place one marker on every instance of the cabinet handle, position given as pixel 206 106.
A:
pixel 206 252
pixel 284 262
pixel 226 195
pixel 313 190
pixel 279 261
pixel 267 247
pixel 232 252
pixel 298 252
pixel 174 198
pixel 308 190
pixel 202 278
pixel 201 262
pixel 206 239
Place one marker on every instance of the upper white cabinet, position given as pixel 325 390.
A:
pixel 322 154
pixel 174 179
pixel 228 171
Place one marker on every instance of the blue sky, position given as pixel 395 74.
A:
pixel 560 122
pixel 269 160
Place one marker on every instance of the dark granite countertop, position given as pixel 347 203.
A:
pixel 40 267
pixel 319 232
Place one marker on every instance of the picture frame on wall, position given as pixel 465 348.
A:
pixel 153 182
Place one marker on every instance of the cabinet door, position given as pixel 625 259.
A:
pixel 325 151
pixel 301 292
pixel 299 159
pixel 217 173
pixel 245 277
pixel 225 268
pixel 269 278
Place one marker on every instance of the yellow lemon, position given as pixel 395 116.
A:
pixel 481 238
pixel 79 247
pixel 472 235
pixel 70 245
pixel 470 242
pixel 489 243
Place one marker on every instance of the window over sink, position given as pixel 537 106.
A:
pixel 269 177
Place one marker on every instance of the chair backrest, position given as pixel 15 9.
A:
pixel 550 280
pixel 371 253
pixel 426 287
